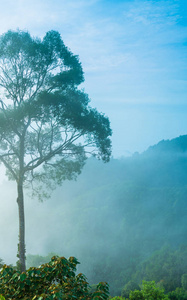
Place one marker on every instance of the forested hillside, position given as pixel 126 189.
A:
pixel 125 220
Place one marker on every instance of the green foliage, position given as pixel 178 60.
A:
pixel 2 298
pixel 184 281
pixel 53 280
pixel 178 294
pixel 130 286
pixel 117 298
pixel 166 266
pixel 150 291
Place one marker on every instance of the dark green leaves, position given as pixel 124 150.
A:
pixel 53 280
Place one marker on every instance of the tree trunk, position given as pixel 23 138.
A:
pixel 21 248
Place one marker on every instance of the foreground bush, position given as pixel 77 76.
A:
pixel 149 291
pixel 53 280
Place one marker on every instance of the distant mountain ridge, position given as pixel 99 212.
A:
pixel 176 145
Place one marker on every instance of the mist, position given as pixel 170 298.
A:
pixel 125 221
pixel 114 217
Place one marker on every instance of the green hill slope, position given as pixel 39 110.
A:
pixel 116 215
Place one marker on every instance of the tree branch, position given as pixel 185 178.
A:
pixel 7 165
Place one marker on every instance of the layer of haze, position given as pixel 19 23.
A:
pixel 134 58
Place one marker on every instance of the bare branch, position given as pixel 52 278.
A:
pixel 6 154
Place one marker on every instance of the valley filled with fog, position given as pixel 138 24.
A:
pixel 116 219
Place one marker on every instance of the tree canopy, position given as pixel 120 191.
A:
pixel 43 109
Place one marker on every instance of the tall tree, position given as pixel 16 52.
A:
pixel 47 128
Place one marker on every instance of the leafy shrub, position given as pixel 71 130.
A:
pixel 53 280
pixel 149 291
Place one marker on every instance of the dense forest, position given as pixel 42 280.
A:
pixel 125 221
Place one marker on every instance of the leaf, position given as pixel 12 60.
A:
pixel 23 276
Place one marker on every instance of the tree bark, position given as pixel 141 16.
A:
pixel 21 248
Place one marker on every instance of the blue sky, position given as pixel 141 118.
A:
pixel 134 55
